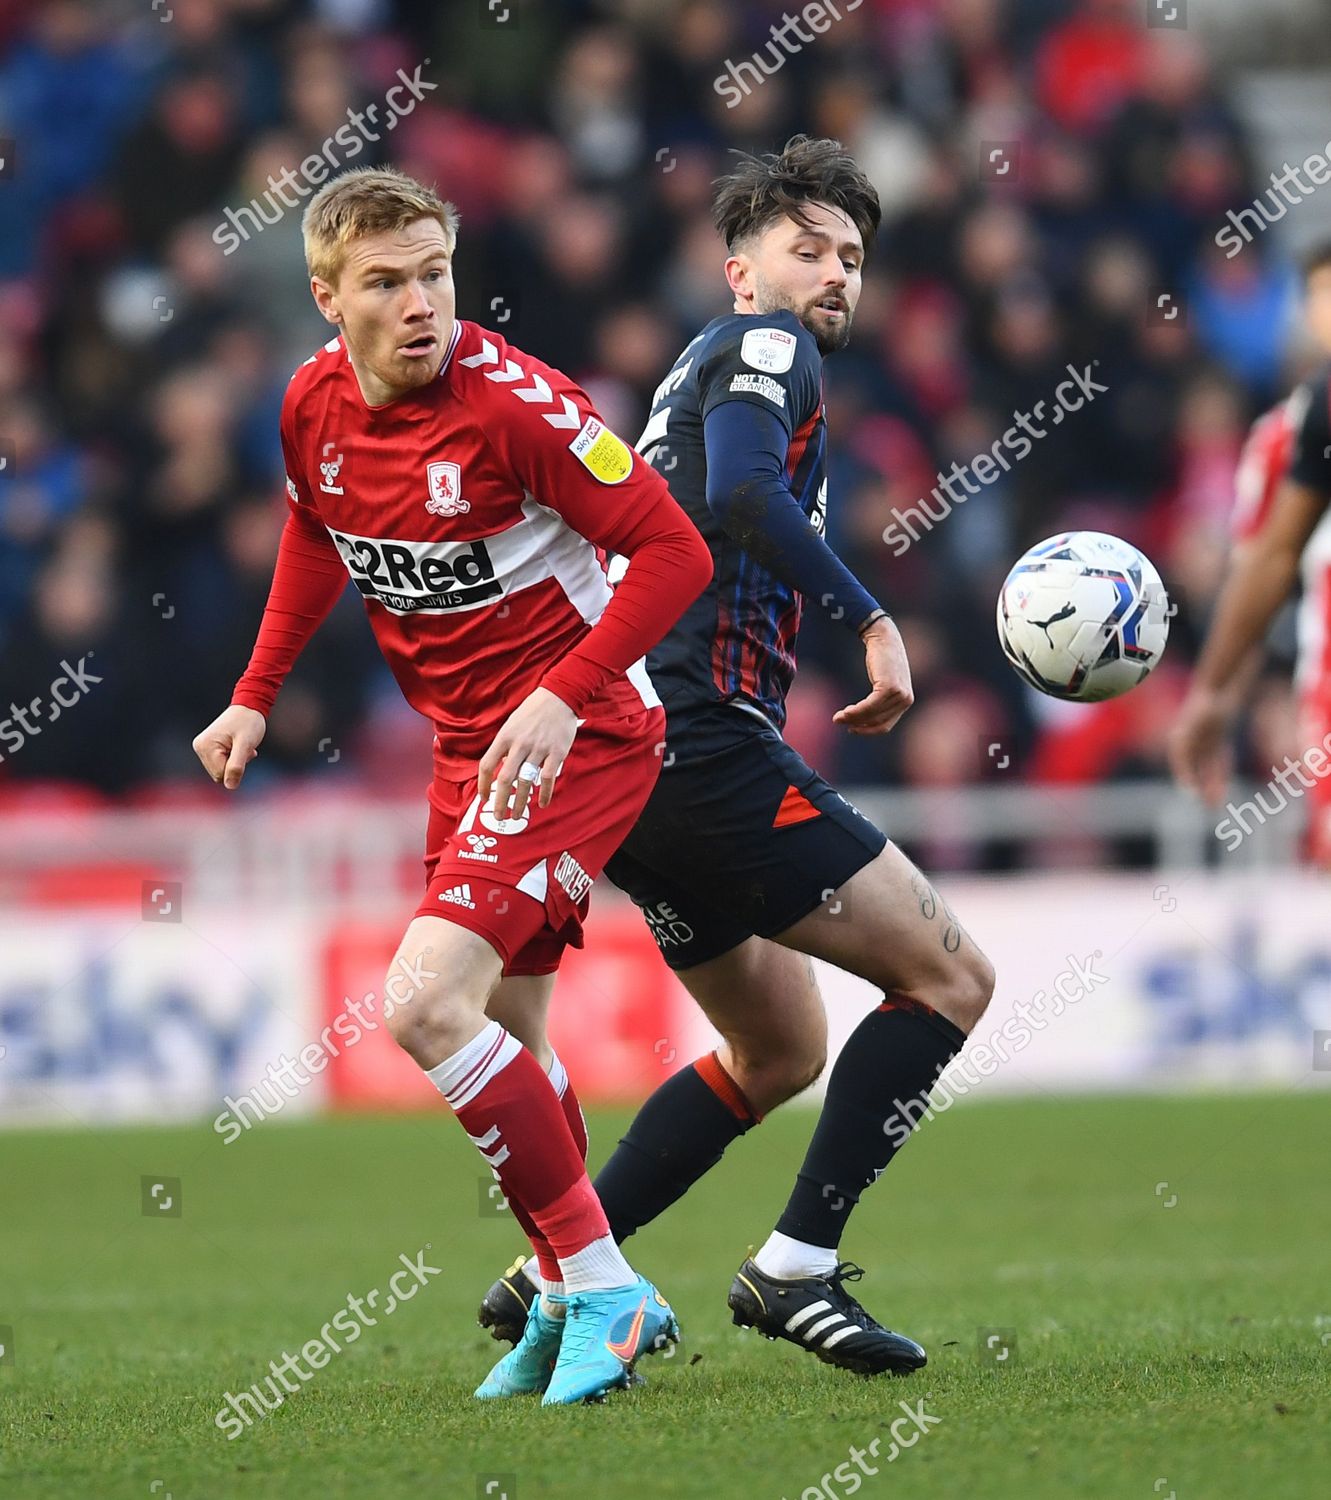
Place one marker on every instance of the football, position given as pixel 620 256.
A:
pixel 1083 616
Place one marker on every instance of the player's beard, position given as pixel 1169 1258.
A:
pixel 396 374
pixel 829 336
pixel 414 373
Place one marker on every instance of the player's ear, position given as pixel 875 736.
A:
pixel 325 299
pixel 739 275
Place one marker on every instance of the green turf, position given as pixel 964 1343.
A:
pixel 1159 1349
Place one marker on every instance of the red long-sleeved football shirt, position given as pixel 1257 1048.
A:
pixel 474 515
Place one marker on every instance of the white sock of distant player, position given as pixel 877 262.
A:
pixel 787 1259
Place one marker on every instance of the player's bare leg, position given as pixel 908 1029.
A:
pixel 449 1010
pixel 506 1103
pixel 521 1005
pixel 891 927
pixel 764 1001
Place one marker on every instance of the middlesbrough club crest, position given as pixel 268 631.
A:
pixel 445 484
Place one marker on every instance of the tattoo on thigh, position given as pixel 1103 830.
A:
pixel 930 901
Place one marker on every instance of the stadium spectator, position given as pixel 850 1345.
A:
pixel 143 355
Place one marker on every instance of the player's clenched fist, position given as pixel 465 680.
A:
pixel 230 743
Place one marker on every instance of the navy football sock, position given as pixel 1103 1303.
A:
pixel 877 1091
pixel 679 1134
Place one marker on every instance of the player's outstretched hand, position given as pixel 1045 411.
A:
pixel 1199 751
pixel 230 743
pixel 537 735
pixel 890 692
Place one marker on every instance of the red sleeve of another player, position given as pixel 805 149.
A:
pixel 608 494
pixel 307 581
pixel 1261 467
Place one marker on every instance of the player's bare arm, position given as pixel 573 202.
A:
pixel 1261 578
pixel 1205 762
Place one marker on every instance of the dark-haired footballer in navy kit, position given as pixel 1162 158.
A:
pixel 741 836
pixel 745 862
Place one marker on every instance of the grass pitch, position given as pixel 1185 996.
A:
pixel 1157 1268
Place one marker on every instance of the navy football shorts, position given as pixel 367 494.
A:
pixel 740 837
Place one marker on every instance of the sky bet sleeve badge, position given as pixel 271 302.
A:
pixel 605 456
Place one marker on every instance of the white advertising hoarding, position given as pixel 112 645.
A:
pixel 1104 982
pixel 1139 981
pixel 108 1017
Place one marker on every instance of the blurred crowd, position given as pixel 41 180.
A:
pixel 1053 175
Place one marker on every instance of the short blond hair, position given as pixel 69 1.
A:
pixel 366 200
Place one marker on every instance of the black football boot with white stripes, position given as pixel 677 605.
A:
pixel 820 1315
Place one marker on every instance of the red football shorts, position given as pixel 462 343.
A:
pixel 522 883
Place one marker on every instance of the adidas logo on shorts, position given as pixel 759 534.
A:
pixel 459 895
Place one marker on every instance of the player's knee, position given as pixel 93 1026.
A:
pixel 788 1078
pixel 970 989
pixel 428 1023
pixel 409 1026
pixel 958 986
pixel 770 1079
pixel 804 1071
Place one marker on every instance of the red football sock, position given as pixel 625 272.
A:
pixel 577 1122
pixel 510 1109
pixel 546 1259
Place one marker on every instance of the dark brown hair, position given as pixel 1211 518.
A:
pixel 763 189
